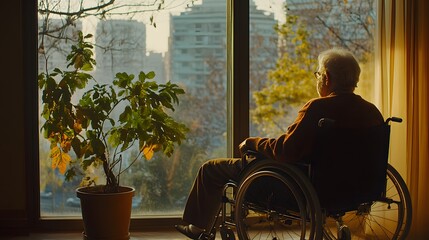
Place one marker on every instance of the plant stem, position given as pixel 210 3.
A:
pixel 111 180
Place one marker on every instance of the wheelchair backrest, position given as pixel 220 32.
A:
pixel 348 166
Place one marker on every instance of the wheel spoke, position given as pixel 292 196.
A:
pixel 388 218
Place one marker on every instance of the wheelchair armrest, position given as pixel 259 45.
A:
pixel 302 164
pixel 254 154
pixel 250 155
pixel 306 167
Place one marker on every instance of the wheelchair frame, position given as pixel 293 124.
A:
pixel 308 219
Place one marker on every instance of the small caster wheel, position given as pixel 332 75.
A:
pixel 208 235
pixel 226 233
pixel 345 233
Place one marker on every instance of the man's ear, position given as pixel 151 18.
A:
pixel 327 79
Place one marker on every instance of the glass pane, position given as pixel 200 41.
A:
pixel 183 42
pixel 305 28
pixel 263 53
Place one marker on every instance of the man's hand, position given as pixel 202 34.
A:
pixel 242 146
pixel 246 145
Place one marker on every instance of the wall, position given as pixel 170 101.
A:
pixel 12 144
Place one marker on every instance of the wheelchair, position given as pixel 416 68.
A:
pixel 346 190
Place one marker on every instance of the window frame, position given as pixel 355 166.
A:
pixel 237 112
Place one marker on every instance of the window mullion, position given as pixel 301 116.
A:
pixel 238 73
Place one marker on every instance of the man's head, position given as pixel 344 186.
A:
pixel 338 71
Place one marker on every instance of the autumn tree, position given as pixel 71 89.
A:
pixel 310 28
pixel 290 83
pixel 349 24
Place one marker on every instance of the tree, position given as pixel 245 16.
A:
pixel 60 20
pixel 346 23
pixel 310 28
pixel 290 84
pixel 72 11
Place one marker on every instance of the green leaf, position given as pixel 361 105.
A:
pixel 70 174
pixel 89 35
pixel 142 76
pixel 114 137
pixel 112 122
pixel 87 162
pixel 150 75
pixel 76 145
pixel 125 115
pixel 95 95
pixel 98 146
pixel 87 66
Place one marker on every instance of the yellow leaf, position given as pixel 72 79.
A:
pixel 60 160
pixel 66 145
pixel 77 127
pixel 65 160
pixel 55 156
pixel 148 151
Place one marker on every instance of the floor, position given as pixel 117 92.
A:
pixel 77 236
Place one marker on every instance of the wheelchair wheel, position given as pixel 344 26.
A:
pixel 272 205
pixel 388 218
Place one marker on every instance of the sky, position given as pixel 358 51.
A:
pixel 160 42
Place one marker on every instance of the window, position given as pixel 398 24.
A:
pixel 169 49
pixel 306 28
pixel 132 44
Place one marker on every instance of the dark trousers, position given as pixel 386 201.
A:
pixel 204 200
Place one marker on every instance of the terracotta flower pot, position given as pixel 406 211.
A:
pixel 106 216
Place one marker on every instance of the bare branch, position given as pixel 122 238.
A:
pixel 77 13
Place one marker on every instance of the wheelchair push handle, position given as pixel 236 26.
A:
pixel 394 119
pixel 326 123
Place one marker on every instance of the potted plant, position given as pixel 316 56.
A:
pixel 84 135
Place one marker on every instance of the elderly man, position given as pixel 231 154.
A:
pixel 337 77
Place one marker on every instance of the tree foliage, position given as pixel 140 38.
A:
pixel 349 24
pixel 291 83
pixel 311 28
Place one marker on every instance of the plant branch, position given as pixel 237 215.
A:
pixel 77 13
pixel 132 162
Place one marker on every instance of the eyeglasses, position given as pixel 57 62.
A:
pixel 317 75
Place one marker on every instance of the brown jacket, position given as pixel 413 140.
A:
pixel 348 109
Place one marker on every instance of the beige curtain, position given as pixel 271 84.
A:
pixel 402 90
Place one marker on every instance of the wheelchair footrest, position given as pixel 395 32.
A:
pixel 208 236
pixel 226 233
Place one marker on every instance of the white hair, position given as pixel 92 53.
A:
pixel 342 67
